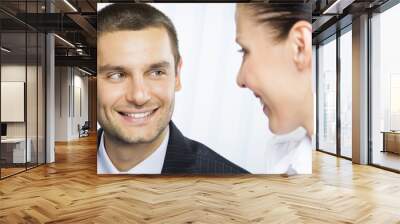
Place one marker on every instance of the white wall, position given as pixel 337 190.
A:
pixel 80 83
pixel 68 81
pixel 61 103
pixel 33 126
pixel 15 73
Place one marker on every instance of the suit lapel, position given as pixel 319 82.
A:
pixel 179 158
pixel 99 133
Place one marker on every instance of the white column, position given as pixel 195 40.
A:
pixel 50 92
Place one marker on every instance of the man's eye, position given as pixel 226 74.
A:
pixel 157 73
pixel 115 76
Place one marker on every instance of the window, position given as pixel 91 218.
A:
pixel 22 76
pixel 327 97
pixel 346 93
pixel 385 89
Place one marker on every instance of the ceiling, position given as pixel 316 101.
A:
pixel 74 22
pixel 332 15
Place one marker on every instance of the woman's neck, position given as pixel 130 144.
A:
pixel 309 115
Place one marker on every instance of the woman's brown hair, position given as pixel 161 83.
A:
pixel 280 16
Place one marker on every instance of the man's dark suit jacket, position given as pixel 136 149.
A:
pixel 186 156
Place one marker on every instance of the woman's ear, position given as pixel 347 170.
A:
pixel 300 41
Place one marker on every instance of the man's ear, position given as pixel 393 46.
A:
pixel 300 42
pixel 178 85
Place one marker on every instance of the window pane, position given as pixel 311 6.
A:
pixel 346 94
pixel 15 150
pixel 327 97
pixel 386 89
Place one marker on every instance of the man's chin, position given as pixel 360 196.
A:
pixel 138 135
pixel 134 138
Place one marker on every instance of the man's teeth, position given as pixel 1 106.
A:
pixel 261 102
pixel 138 115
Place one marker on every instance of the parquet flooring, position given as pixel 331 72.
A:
pixel 9 171
pixel 69 191
pixel 387 159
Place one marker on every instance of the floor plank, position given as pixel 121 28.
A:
pixel 387 159
pixel 70 191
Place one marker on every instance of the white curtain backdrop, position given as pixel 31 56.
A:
pixel 211 108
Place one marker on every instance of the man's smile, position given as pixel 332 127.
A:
pixel 137 117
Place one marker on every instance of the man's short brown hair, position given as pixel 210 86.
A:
pixel 136 16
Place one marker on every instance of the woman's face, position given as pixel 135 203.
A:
pixel 270 71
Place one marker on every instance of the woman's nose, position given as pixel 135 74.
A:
pixel 240 79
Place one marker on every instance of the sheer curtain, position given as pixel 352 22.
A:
pixel 211 108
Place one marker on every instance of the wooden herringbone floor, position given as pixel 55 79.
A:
pixel 69 191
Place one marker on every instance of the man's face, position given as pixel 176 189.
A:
pixel 136 84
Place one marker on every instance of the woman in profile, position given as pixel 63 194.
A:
pixel 276 66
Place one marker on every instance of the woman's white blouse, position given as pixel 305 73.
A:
pixel 291 154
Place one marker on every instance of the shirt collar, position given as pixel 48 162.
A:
pixel 151 165
pixel 290 153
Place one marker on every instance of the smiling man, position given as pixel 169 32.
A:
pixel 139 67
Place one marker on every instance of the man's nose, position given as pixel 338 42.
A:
pixel 137 92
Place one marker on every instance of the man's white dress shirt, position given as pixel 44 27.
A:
pixel 151 165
